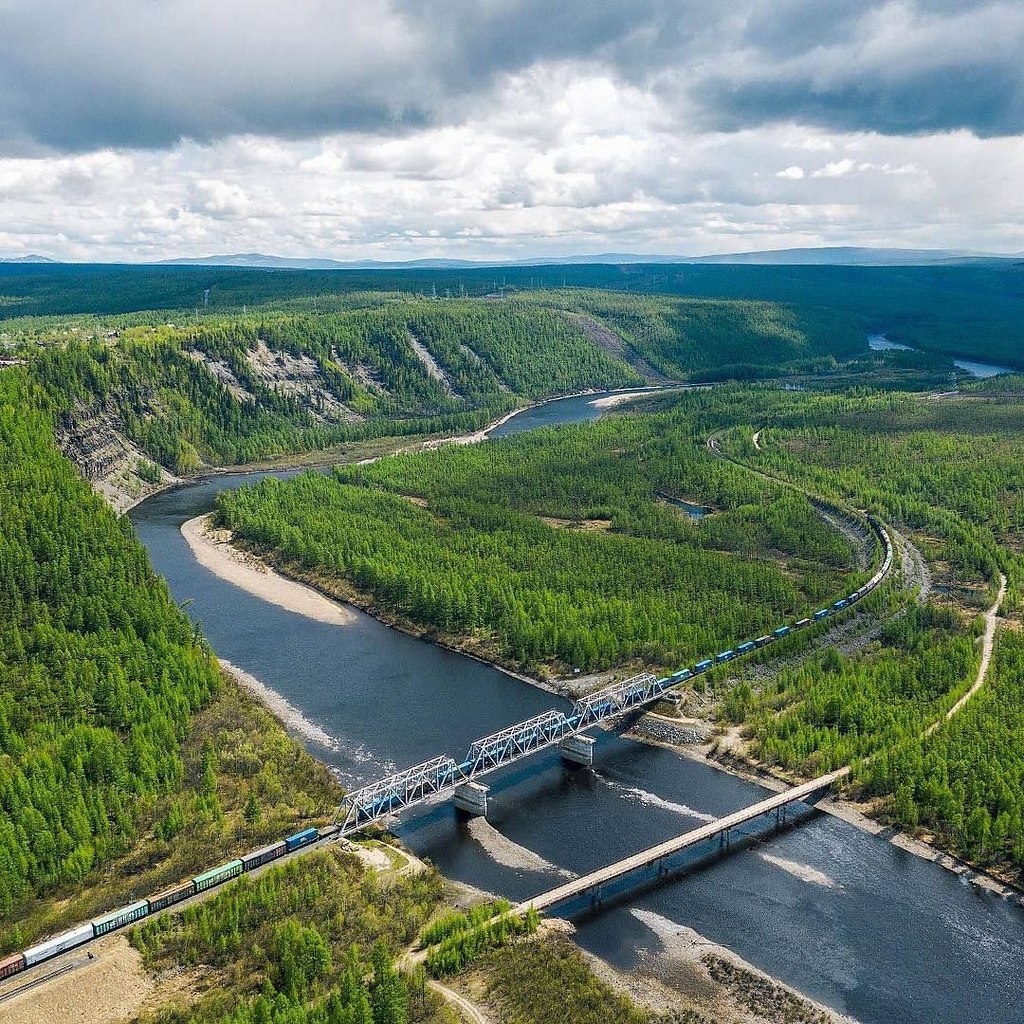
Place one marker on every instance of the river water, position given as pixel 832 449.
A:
pixel 847 918
pixel 980 371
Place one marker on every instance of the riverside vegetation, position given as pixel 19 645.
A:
pixel 126 762
pixel 949 471
pixel 553 550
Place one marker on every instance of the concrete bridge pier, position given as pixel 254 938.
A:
pixel 471 799
pixel 577 750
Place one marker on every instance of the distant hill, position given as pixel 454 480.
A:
pixel 31 258
pixel 259 259
pixel 844 255
pixel 848 256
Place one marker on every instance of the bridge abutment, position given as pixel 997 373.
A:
pixel 471 799
pixel 577 750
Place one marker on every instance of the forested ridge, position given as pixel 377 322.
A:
pixel 949 472
pixel 554 549
pixel 238 391
pixel 235 385
pixel 99 672
pixel 969 310
pixel 687 338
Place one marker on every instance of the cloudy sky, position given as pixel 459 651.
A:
pixel 399 129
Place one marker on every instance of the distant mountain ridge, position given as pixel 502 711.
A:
pixel 838 256
pixel 811 256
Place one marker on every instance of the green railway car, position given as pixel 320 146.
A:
pixel 215 876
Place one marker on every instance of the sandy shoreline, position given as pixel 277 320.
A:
pixel 291 717
pixel 213 551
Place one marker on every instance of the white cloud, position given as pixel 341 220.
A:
pixel 835 169
pixel 564 160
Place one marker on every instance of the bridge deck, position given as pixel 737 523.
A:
pixel 606 874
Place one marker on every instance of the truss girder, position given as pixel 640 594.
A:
pixel 362 806
pixel 614 699
pixel 517 741
pixel 413 785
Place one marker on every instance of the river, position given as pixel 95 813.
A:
pixel 847 918
pixel 980 371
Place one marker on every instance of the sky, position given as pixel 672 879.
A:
pixel 138 130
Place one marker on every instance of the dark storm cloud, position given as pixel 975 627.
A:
pixel 894 68
pixel 80 74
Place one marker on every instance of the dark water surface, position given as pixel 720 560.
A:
pixel 842 916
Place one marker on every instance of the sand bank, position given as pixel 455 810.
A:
pixel 292 718
pixel 508 853
pixel 610 401
pixel 213 551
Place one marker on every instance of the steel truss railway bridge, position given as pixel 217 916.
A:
pixel 443 776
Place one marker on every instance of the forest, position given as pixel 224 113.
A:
pixel 949 472
pixel 237 392
pixel 100 671
pixel 559 549
pixel 971 310
pixel 965 782
pixel 222 390
pixel 314 941
pixel 125 760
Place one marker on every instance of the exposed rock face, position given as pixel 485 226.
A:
pixel 683 734
pixel 96 444
pixel 299 377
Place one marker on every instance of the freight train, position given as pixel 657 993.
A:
pixel 783 631
pixel 52 947
pixel 58 944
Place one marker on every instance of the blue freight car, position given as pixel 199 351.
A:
pixel 303 838
pixel 678 677
pixel 782 631
pixel 824 613
pixel 703 666
pixel 840 605
pixel 724 656
pixel 745 648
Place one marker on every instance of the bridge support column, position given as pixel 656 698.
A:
pixel 471 798
pixel 577 750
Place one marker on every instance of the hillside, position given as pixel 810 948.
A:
pixel 972 309
pixel 142 400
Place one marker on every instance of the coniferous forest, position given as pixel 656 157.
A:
pixel 100 675
pixel 127 761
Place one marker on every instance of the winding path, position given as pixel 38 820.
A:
pixel 468 1010
pixel 987 646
